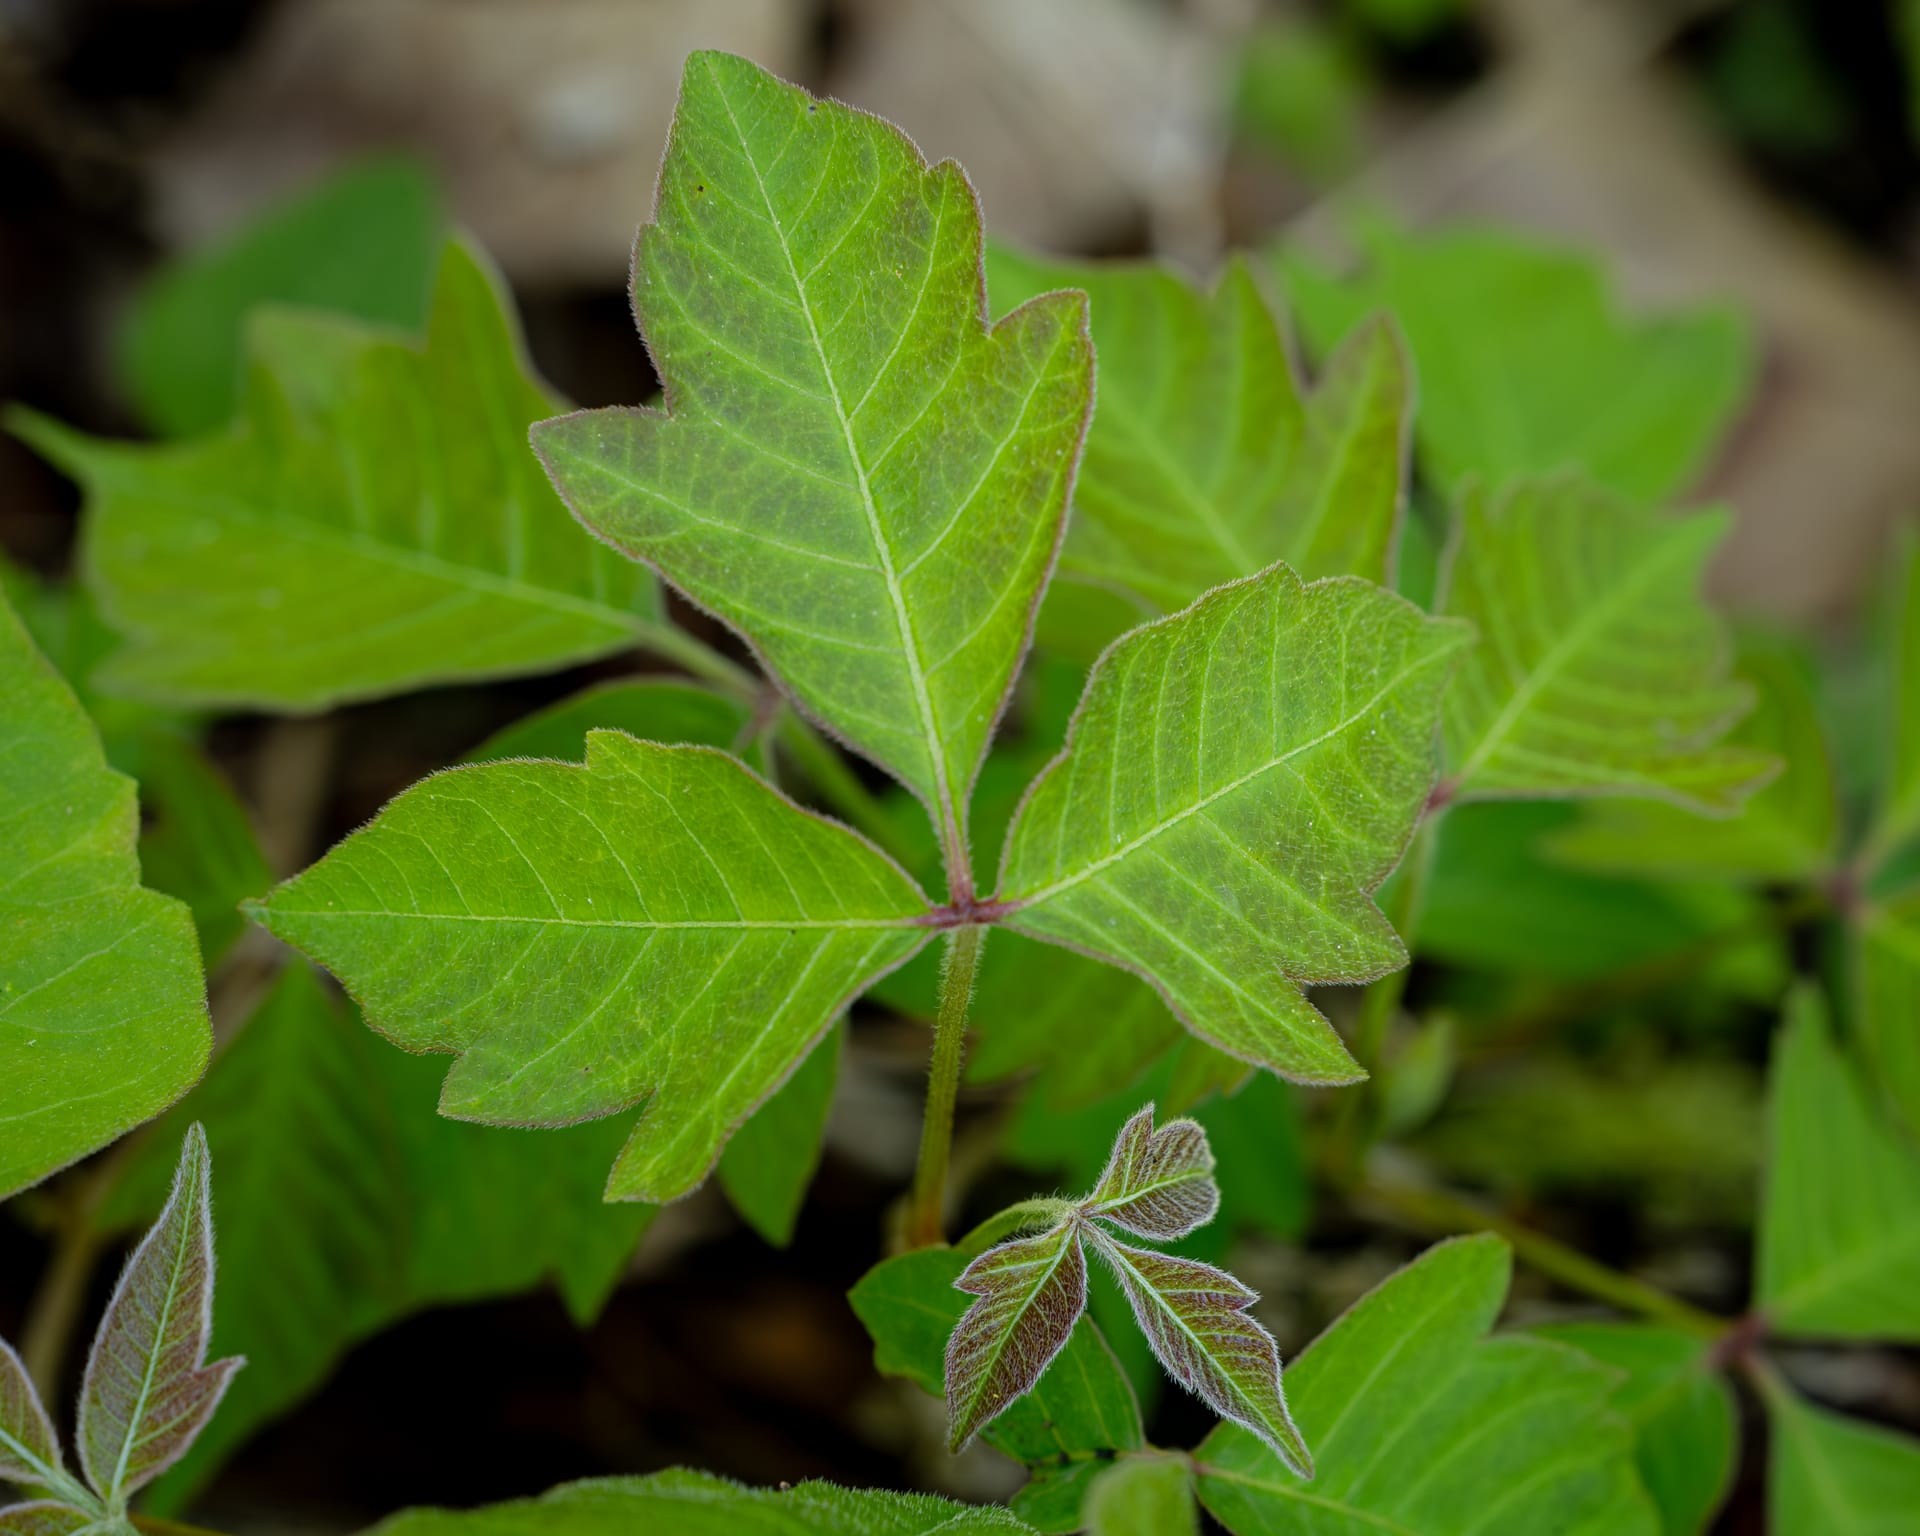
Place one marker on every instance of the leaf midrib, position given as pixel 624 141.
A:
pixel 1187 813
pixel 909 642
pixel 188 1193
pixel 910 921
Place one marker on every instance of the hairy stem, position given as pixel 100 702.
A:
pixel 1442 1212
pixel 926 1210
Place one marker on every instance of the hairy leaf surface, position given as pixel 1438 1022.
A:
pixel 148 1390
pixel 103 1021
pixel 1600 671
pixel 1528 364
pixel 1206 461
pixel 1158 1184
pixel 1064 1431
pixel 682 1503
pixel 29 1449
pixel 1836 1475
pixel 46 1517
pixel 657 925
pixel 853 470
pixel 1032 1291
pixel 374 523
pixel 1840 1221
pixel 1420 1425
pixel 1237 780
pixel 1684 1418
pixel 1196 1319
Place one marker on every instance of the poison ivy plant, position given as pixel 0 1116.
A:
pixel 1527 363
pixel 1206 460
pixel 693 1504
pixel 148 1390
pixel 103 1022
pixel 1830 1473
pixel 1601 671
pixel 1143 1496
pixel 658 924
pixel 372 523
pixel 1421 1425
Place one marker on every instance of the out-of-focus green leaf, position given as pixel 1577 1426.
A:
pixel 1527 364
pixel 1600 669
pixel 1064 1431
pixel 853 470
pixel 649 709
pixel 361 243
pixel 1785 833
pixel 1838 1476
pixel 1839 1248
pixel 1143 1496
pixel 1887 937
pixel 1237 779
pixel 1684 1419
pixel 1421 1425
pixel 768 1165
pixel 680 1503
pixel 1300 94
pixel 1206 461
pixel 346 1204
pixel 103 1015
pixel 1766 77
pixel 373 524
pixel 655 926
pixel 1897 820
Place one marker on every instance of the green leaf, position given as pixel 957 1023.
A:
pixel 103 1019
pixel 1786 833
pixel 148 1390
pixel 1206 461
pixel 652 709
pixel 360 243
pixel 1064 1431
pixel 1840 1218
pixel 1683 1414
pixel 681 1503
pixel 1527 365
pixel 1031 1292
pixel 1600 670
pixel 373 524
pixel 1143 1496
pixel 1422 1426
pixel 1237 779
pixel 855 472
pixel 1888 965
pixel 45 1517
pixel 348 1204
pixel 545 922
pixel 1837 1476
pixel 768 1165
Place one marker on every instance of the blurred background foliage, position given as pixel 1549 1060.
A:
pixel 1672 243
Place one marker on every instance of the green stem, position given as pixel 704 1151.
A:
pixel 1042 1211
pixel 926 1209
pixel 1439 1211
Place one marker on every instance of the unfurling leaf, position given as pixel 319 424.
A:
pixel 374 525
pixel 1206 462
pixel 1158 1184
pixel 1237 779
pixel 655 926
pixel 46 1517
pixel 1600 670
pixel 103 1016
pixel 1195 1317
pixel 853 470
pixel 29 1449
pixel 1032 1291
pixel 148 1390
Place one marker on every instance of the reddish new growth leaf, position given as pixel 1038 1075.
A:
pixel 1157 1185
pixel 1032 1291
pixel 29 1453
pixel 45 1517
pixel 148 1390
